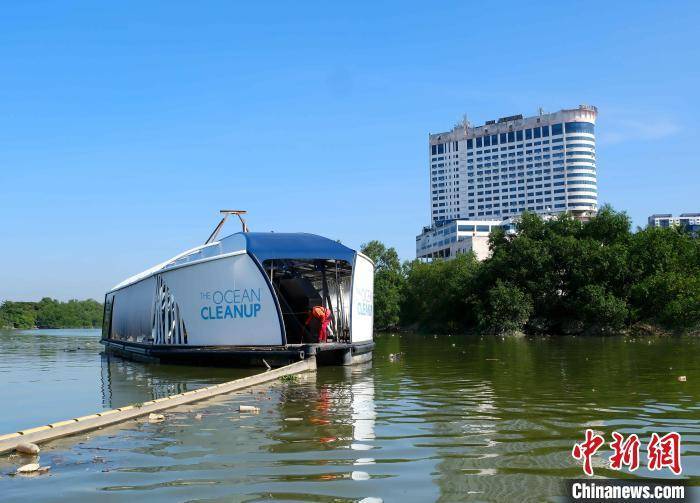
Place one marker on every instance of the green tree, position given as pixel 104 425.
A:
pixel 440 295
pixel 50 313
pixel 507 309
pixel 18 314
pixel 602 310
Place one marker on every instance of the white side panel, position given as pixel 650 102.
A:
pixel 362 323
pixel 225 302
pixel 133 312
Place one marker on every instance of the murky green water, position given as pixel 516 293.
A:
pixel 450 419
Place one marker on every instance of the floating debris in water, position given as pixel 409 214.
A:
pixel 682 378
pixel 155 418
pixel 248 408
pixel 30 468
pixel 360 447
pixel 293 419
pixel 359 476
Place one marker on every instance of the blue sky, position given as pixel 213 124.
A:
pixel 125 127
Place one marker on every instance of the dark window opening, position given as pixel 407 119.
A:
pixel 301 285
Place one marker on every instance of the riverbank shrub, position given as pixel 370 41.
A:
pixel 507 309
pixel 437 295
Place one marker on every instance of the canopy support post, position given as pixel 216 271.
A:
pixel 226 214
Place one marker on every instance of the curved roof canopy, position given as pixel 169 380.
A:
pixel 262 245
pixel 295 245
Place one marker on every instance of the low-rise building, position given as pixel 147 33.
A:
pixel 450 238
pixel 689 221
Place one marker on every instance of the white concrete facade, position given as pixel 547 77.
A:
pixel 668 220
pixel 448 239
pixel 688 221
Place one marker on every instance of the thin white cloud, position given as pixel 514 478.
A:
pixel 619 129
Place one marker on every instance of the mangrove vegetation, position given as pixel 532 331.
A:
pixel 51 313
pixel 559 276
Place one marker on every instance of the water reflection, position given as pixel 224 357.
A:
pixel 125 382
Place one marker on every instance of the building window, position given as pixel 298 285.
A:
pixel 545 130
pixel 528 135
pixel 470 143
pixel 579 127
pixel 557 129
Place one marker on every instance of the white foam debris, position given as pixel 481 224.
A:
pixel 30 468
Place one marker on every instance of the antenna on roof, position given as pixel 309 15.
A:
pixel 465 122
pixel 226 214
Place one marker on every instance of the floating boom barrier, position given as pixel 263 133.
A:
pixel 99 420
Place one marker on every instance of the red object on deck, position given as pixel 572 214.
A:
pixel 323 315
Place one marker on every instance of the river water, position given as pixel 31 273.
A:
pixel 448 419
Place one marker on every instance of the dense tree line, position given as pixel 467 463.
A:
pixel 555 276
pixel 50 313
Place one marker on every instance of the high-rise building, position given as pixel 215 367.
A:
pixel 543 164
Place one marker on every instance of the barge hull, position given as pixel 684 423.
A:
pixel 243 356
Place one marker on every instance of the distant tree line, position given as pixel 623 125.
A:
pixel 560 276
pixel 51 313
